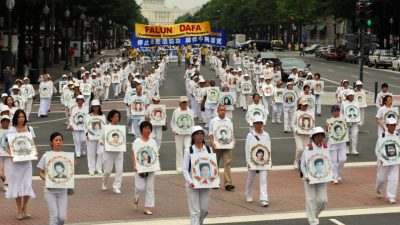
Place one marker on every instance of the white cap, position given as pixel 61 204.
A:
pixel 64 75
pixel 303 102
pixel 317 130
pixel 15 87
pixel 257 119
pixel 83 68
pixel 4 95
pixel 349 93
pixel 201 80
pixel 70 82
pixel 309 73
pixel 261 76
pixel 391 121
pixel 4 108
pixel 239 69
pixel 183 99
pixel 4 117
pixel 246 75
pixel 287 84
pixel 95 102
pixel 156 98
pixel 359 82
pixel 196 128
pixel 80 96
pixel 25 78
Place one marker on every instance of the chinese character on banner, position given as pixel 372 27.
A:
pixel 212 40
pixel 152 41
pixel 164 41
pixel 171 41
pixel 188 40
pixel 201 38
pixel 158 41
pixel 177 41
pixel 194 39
pixel 219 41
pixel 146 43
pixel 207 39
pixel 140 42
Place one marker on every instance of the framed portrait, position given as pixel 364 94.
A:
pixel 396 100
pixel 19 101
pixel 60 170
pixel 227 99
pixel 260 156
pixel 61 85
pixel 391 113
pixel 184 122
pixel 77 120
pixel 247 87
pixel 361 98
pixel 337 130
pixel 157 115
pixel 289 98
pixel 146 156
pixel 115 78
pixel 278 95
pixel 204 170
pixel 351 112
pixel 319 87
pixel 253 111
pixel 300 84
pixel 311 103
pixel 86 88
pixel 319 167
pixel 26 91
pixel 95 127
pixel 45 92
pixel 213 94
pixel 138 107
pixel 268 89
pixel 390 150
pixel 22 147
pixel 223 134
pixel 305 123
pixel 115 137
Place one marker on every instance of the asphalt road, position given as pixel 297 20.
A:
pixel 283 147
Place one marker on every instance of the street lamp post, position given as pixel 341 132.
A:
pixel 46 11
pixel 82 17
pixel 66 14
pixel 391 21
pixel 334 32
pixel 109 40
pixel 10 5
pixel 99 33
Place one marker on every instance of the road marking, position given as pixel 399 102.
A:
pixel 323 63
pixel 395 78
pixel 263 217
pixel 342 67
pixel 354 76
pixel 331 71
pixel 332 81
pixel 47 121
pixel 336 222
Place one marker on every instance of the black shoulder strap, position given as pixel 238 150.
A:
pixel 208 149
pixel 191 152
pixel 383 134
pixel 258 139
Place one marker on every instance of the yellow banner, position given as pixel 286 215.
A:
pixel 173 31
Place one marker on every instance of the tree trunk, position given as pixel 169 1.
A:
pixel 22 60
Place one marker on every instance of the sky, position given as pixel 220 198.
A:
pixel 182 4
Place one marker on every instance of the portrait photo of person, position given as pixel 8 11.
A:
pixel 267 90
pixel 318 87
pixel 306 123
pixel 227 100
pixel 157 114
pixel 96 126
pixel 145 158
pixel 59 170
pixel 338 130
pixel 115 139
pixel 260 156
pixel 279 94
pixel 138 106
pixel 360 99
pixel 205 170
pixel 289 99
pixel 213 94
pixel 79 120
pixel 21 147
pixel 115 78
pixel 390 150
pixel 183 123
pixel 224 137
pixel 319 167
pixel 352 114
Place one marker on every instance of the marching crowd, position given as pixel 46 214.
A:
pixel 249 84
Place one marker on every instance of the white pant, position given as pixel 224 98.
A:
pixel 145 184
pixel 199 202
pixel 6 163
pixel 87 102
pixel 288 112
pixel 301 141
pixel 79 141
pixel 28 107
pixel 210 114
pixel 338 159
pixel 251 175
pixel 362 116
pixel 389 175
pixel 57 204
pixel 318 103
pixel 277 112
pixel 316 199
pixel 157 135
pixel 181 142
pixel 267 101
pixel 194 105
pixel 116 89
pixel 94 147
pixel 135 128
pixel 243 100
pixel 106 92
pixel 353 133
pixel 44 106
pixel 111 159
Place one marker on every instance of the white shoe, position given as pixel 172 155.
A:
pixel 347 151
pixel 335 181
pixel 392 201
pixel 354 152
pixel 117 191
pixel 91 173
pixel 280 122
pixel 78 156
pixel 5 188
pixel 249 199
pixel 99 172
pixel 103 186
pixel 273 121
pixel 264 203
pixel 296 165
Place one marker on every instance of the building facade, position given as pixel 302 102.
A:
pixel 158 14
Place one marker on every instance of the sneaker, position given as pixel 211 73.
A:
pixel 392 201
pixel 91 173
pixel 339 179
pixel 280 122
pixel 229 187
pixel 264 203
pixel 78 156
pixel 378 194
pixel 99 172
pixel 117 191
pixel 103 186
pixel 335 181
pixel 354 152
pixel 249 199
pixel 5 188
pixel 273 121
pixel 347 151
pixel 296 165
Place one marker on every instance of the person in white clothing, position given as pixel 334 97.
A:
pixel 77 125
pixel 46 90
pixel 29 92
pixel 388 174
pixel 5 158
pixel 198 199
pixel 258 135
pixel 353 126
pixel 383 93
pixel 157 130
pixel 107 83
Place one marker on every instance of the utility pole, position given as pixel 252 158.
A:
pixel 364 19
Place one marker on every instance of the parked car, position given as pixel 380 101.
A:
pixel 381 57
pixel 261 45
pixel 320 50
pixel 335 53
pixel 277 45
pixel 269 56
pixel 396 64
pixel 311 49
pixel 287 65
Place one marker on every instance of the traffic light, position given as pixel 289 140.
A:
pixel 368 13
pixel 360 12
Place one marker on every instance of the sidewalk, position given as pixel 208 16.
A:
pixel 89 205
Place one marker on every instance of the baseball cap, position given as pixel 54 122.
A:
pixel 156 98
pixel 258 119
pixel 303 102
pixel 317 130
pixel 391 121
pixel 183 99
pixel 4 117
pixel 359 82
pixel 349 93
pixel 80 97
pixel 335 108
pixel 95 102
pixel 15 87
pixel 197 128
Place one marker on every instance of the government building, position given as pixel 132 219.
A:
pixel 158 14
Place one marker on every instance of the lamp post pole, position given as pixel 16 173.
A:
pixel 98 43
pixel 82 17
pixel 10 5
pixel 110 32
pixel 391 21
pixel 46 11
pixel 66 14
